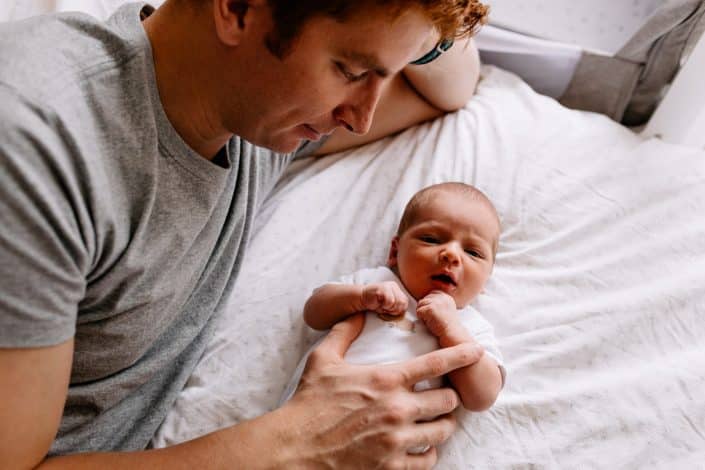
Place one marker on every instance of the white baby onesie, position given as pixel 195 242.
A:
pixel 383 342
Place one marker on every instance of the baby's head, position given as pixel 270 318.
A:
pixel 446 240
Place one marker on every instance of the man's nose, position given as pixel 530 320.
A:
pixel 357 112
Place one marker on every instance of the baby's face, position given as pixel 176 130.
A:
pixel 449 248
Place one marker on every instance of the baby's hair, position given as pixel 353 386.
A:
pixel 425 195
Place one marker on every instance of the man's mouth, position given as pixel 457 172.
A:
pixel 311 133
pixel 314 134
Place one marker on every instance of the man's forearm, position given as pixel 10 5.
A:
pixel 449 81
pixel 254 444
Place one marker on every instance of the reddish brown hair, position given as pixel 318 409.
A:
pixel 452 18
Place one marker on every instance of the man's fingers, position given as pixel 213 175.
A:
pixel 440 362
pixel 430 433
pixel 435 402
pixel 423 461
pixel 340 337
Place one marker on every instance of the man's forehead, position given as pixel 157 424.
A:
pixel 376 40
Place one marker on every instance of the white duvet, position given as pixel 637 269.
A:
pixel 597 297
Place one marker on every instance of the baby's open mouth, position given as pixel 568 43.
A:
pixel 444 278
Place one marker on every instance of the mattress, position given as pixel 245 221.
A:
pixel 597 296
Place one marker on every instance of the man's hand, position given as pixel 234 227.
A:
pixel 353 416
pixel 384 297
pixel 440 315
pixel 343 416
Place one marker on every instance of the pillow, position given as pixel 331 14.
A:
pixel 596 67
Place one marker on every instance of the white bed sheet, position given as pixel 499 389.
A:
pixel 597 297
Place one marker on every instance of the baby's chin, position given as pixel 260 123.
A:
pixel 459 303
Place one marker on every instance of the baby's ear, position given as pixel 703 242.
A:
pixel 393 251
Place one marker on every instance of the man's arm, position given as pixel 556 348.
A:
pixel 448 82
pixel 33 385
pixel 418 94
pixel 33 389
pixel 371 415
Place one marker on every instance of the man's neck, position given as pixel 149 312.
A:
pixel 183 80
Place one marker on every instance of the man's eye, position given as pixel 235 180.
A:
pixel 349 76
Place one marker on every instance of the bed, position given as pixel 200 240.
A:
pixel 597 296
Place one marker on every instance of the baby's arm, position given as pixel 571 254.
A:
pixel 331 303
pixel 479 384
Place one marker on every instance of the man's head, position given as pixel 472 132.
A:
pixel 451 18
pixel 447 240
pixel 289 71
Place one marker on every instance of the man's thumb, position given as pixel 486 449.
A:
pixel 341 336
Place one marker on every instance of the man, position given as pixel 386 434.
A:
pixel 132 161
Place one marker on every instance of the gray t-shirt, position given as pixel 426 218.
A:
pixel 112 230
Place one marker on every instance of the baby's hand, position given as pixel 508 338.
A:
pixel 438 312
pixel 384 297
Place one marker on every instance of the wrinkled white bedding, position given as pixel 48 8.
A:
pixel 598 294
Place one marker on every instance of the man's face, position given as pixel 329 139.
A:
pixel 449 248
pixel 332 76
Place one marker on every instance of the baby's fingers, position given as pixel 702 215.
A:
pixel 387 300
pixel 424 311
pixel 388 296
pixel 402 299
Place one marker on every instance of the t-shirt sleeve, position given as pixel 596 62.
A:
pixel 43 257
pixel 483 332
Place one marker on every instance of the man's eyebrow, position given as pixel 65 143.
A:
pixel 367 61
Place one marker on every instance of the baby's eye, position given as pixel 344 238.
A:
pixel 473 253
pixel 429 239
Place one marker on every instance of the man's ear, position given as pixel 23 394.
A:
pixel 393 252
pixel 231 19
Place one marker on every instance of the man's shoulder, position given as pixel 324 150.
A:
pixel 50 57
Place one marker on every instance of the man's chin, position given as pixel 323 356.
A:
pixel 283 145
